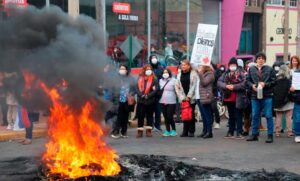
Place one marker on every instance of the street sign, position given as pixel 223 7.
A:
pixel 131 47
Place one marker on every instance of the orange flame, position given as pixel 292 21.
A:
pixel 75 148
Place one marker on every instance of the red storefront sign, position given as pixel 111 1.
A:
pixel 15 2
pixel 121 8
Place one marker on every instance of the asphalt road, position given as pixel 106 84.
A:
pixel 216 152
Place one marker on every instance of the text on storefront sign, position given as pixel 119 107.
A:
pixel 122 8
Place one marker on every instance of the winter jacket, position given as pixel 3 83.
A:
pixel 151 97
pixel 206 87
pixel 169 94
pixel 179 89
pixel 238 87
pixel 268 76
pixel 281 91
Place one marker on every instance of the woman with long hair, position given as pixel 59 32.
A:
pixel 207 78
pixel 147 87
pixel 185 89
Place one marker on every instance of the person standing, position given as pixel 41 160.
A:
pixel 157 70
pixel 126 88
pixel 147 87
pixel 261 78
pixel 185 90
pixel 207 78
pixel 3 105
pixel 232 83
pixel 168 101
pixel 281 101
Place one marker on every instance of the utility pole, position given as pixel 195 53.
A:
pixel 286 31
pixel 47 3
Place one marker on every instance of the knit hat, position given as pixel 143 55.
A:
pixel 233 61
pixel 240 63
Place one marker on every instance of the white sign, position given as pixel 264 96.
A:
pixel 296 80
pixel 204 44
pixel 126 17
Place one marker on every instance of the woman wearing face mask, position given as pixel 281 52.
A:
pixel 126 87
pixel 185 89
pixel 147 87
pixel 168 101
pixel 232 83
pixel 157 70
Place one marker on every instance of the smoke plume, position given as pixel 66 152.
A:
pixel 53 46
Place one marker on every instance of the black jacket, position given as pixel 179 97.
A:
pixel 151 97
pixel 268 76
pixel 281 91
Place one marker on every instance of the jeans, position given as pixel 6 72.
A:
pixel 205 110
pixel 29 130
pixel 168 112
pixel 257 106
pixel 157 114
pixel 235 118
pixel 296 119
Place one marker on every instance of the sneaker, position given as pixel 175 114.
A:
pixel 157 130
pixel 297 139
pixel 9 127
pixel 166 133
pixel 229 135
pixel 217 126
pixel 116 136
pixel 239 137
pixel 173 133
pixel 124 136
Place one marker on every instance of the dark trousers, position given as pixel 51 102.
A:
pixel 4 108
pixel 122 119
pixel 189 126
pixel 145 111
pixel 235 118
pixel 207 120
pixel 157 114
pixel 168 112
pixel 215 111
pixel 29 130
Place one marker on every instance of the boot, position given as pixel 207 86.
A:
pixel 253 138
pixel 207 135
pixel 149 132
pixel 139 133
pixel 269 139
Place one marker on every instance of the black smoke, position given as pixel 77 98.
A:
pixel 53 46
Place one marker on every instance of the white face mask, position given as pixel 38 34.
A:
pixel 165 75
pixel 232 68
pixel 122 72
pixel 222 68
pixel 276 68
pixel 148 72
pixel 154 60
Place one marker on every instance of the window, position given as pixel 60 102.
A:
pixel 254 3
pixel 275 2
pixel 247 3
pixel 293 3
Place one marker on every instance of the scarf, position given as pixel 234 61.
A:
pixel 141 84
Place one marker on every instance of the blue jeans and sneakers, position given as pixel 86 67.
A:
pixel 257 107
pixel 296 120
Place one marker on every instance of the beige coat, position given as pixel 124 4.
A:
pixel 179 89
pixel 206 87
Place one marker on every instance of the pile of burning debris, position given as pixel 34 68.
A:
pixel 140 167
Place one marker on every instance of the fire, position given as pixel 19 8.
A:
pixel 75 147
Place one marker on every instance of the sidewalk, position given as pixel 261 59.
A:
pixel 39 130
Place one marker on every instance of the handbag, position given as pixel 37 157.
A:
pixel 161 91
pixel 131 100
pixel 186 111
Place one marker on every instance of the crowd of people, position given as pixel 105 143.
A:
pixel 250 92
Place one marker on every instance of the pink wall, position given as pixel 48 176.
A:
pixel 232 20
